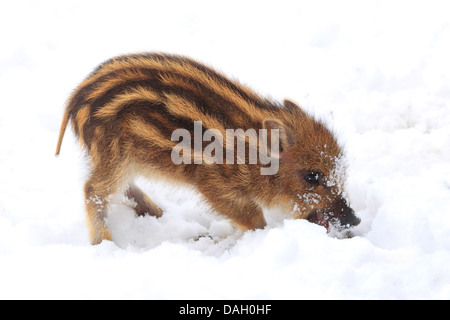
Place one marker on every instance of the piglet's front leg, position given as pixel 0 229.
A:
pixel 242 211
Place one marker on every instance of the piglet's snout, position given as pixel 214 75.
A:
pixel 345 214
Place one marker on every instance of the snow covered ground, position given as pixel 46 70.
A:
pixel 377 71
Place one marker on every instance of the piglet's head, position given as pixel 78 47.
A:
pixel 312 174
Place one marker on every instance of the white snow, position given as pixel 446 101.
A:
pixel 376 71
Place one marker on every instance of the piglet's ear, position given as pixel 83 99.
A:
pixel 285 135
pixel 293 107
pixel 290 105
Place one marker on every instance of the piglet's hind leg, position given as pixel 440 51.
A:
pixel 144 205
pixel 96 205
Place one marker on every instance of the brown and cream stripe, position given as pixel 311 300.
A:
pixel 165 92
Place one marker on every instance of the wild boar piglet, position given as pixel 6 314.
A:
pixel 170 117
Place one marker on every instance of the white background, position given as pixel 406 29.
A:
pixel 376 71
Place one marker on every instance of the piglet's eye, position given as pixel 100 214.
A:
pixel 312 178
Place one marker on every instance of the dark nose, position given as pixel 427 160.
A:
pixel 349 218
pixel 345 214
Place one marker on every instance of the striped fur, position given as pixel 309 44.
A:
pixel 125 111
